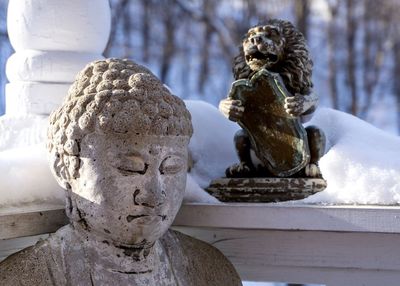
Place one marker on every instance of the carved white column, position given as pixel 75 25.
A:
pixel 53 40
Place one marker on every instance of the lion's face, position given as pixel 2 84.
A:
pixel 263 47
pixel 278 46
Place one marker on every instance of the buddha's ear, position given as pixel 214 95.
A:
pixel 59 170
pixel 71 210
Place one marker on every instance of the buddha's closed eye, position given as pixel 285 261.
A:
pixel 171 165
pixel 132 165
pixel 135 164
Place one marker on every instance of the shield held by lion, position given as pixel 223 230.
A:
pixel 270 99
pixel 279 139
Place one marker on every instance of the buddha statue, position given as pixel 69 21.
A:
pixel 118 146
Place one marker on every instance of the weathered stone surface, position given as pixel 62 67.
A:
pixel 68 257
pixel 264 190
pixel 118 146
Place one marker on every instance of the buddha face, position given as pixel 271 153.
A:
pixel 130 187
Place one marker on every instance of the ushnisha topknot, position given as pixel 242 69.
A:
pixel 113 96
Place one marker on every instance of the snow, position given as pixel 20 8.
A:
pixel 362 163
pixel 211 146
pixel 23 130
pixel 25 177
pixel 195 194
pixel 24 173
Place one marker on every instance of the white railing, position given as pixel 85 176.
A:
pixel 338 245
pixel 335 245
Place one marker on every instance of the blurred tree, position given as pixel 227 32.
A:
pixel 351 80
pixel 302 14
pixel 357 37
pixel 5 52
pixel 127 30
pixel 146 28
pixel 117 7
pixel 376 22
pixel 190 44
pixel 393 9
pixel 333 7
pixel 170 16
pixel 208 8
pixel 396 86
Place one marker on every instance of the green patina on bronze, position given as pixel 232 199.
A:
pixel 279 139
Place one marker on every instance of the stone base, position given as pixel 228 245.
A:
pixel 264 190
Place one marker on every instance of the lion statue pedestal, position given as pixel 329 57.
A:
pixel 264 190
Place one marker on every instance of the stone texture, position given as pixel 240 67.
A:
pixel 118 146
pixel 68 258
pixel 264 190
pixel 117 96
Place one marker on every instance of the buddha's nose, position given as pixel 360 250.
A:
pixel 151 194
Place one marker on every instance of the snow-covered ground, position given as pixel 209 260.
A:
pixel 362 163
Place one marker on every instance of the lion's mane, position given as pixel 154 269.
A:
pixel 295 67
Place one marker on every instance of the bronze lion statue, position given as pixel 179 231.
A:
pixel 276 46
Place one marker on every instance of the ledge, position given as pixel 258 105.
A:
pixel 29 220
pixel 39 219
pixel 305 244
pixel 377 219
pixel 330 245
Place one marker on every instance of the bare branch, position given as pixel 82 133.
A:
pixel 332 49
pixel 117 10
pixel 351 55
pixel 202 16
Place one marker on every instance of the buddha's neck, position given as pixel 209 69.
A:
pixel 139 258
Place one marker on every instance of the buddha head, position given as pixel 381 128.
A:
pixel 118 146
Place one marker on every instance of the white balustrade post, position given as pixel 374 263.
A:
pixel 53 40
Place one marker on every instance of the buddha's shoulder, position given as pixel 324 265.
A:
pixel 26 267
pixel 34 265
pixel 202 263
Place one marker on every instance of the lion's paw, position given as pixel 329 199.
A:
pixel 240 170
pixel 313 171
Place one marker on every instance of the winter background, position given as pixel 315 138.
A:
pixel 355 45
